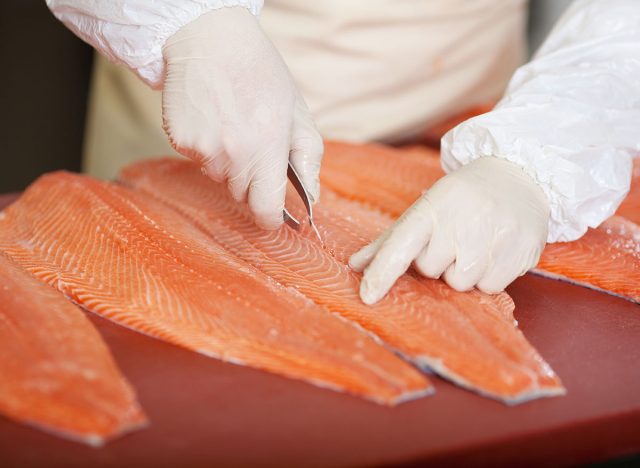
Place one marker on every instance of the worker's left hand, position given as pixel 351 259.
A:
pixel 482 225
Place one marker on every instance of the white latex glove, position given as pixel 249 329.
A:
pixel 230 103
pixel 482 225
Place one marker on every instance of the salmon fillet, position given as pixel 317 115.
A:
pixel 56 373
pixel 615 241
pixel 432 135
pixel 606 259
pixel 362 173
pixel 131 259
pixel 469 338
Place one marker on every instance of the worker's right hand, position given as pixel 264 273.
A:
pixel 230 103
pixel 482 225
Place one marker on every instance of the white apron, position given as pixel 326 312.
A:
pixel 370 70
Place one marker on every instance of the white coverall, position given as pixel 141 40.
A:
pixel 570 118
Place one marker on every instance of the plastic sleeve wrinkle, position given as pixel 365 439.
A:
pixel 570 117
pixel 133 32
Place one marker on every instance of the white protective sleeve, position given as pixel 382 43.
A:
pixel 133 32
pixel 570 117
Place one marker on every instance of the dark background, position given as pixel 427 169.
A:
pixel 44 83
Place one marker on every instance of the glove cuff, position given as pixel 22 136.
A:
pixel 578 198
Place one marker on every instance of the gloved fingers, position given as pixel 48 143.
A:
pixel 214 163
pixel 437 255
pixel 506 265
pixel 216 167
pixel 497 279
pixel 530 260
pixel 510 261
pixel 534 258
pixel 239 179
pixel 190 136
pixel 467 270
pixel 361 259
pixel 267 189
pixel 192 131
pixel 396 253
pixel 307 149
pixel 473 255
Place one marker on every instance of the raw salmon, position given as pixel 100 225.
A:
pixel 379 176
pixel 434 133
pixel 606 258
pixel 616 242
pixel 469 338
pixel 129 258
pixel 56 373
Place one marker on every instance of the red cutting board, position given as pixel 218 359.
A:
pixel 204 412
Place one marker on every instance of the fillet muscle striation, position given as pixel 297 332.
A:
pixel 470 338
pixel 127 257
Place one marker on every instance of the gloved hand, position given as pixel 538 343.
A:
pixel 482 225
pixel 230 103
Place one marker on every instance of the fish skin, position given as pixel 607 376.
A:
pixel 493 358
pixel 370 183
pixel 57 374
pixel 129 258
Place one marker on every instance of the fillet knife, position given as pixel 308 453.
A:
pixel 306 200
